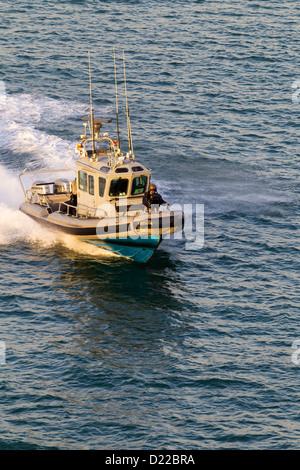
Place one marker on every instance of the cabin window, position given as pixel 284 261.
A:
pixel 105 169
pixel 137 168
pixel 102 182
pixel 118 187
pixel 139 185
pixel 121 170
pixel 91 185
pixel 82 180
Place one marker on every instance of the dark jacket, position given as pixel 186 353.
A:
pixel 153 198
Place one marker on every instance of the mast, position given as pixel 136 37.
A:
pixel 117 107
pixel 127 110
pixel 92 110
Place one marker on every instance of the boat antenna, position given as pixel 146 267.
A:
pixel 117 107
pixel 92 110
pixel 127 110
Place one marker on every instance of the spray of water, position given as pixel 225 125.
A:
pixel 19 120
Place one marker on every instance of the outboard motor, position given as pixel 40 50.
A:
pixel 62 186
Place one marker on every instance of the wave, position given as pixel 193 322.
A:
pixel 20 128
pixel 17 227
pixel 19 134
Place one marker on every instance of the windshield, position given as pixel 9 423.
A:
pixel 139 185
pixel 118 187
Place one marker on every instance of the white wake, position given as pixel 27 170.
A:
pixel 19 134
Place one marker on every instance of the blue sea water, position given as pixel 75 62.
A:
pixel 192 350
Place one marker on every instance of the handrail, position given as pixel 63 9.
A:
pixel 68 208
pixel 24 172
pixel 88 210
pixel 111 153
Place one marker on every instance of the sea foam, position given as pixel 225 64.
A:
pixel 19 133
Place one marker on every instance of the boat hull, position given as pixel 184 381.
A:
pixel 138 252
pixel 124 241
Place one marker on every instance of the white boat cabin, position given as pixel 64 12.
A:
pixel 97 183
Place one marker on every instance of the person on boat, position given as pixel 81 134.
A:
pixel 73 195
pixel 72 201
pixel 153 197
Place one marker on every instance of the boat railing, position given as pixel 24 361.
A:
pixel 60 206
pixel 34 198
pixel 25 173
pixel 74 211
pixel 70 209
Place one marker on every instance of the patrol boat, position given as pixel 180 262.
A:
pixel 101 202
